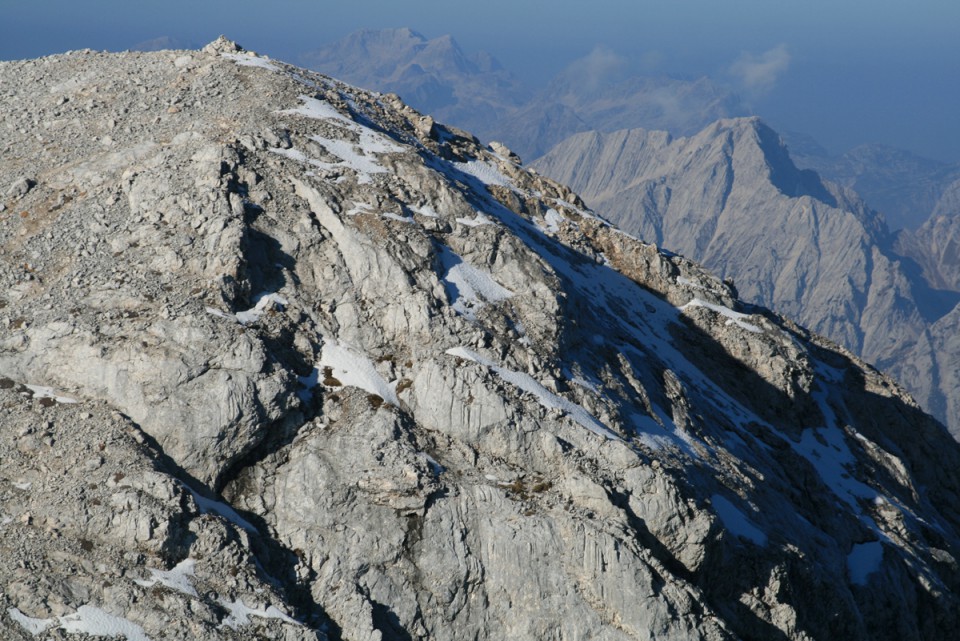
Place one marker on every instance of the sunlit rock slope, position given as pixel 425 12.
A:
pixel 282 357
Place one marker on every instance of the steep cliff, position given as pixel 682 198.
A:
pixel 282 357
pixel 731 197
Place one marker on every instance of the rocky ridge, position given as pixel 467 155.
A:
pixel 476 93
pixel 282 357
pixel 434 75
pixel 732 198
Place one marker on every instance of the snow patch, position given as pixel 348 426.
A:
pixel 41 391
pixel 359 156
pixel 176 579
pixel 484 172
pixel 318 110
pixel 265 302
pixel 468 287
pixel 552 220
pixel 360 208
pixel 219 508
pixel 240 614
pixel 31 625
pixel 477 221
pixel 425 210
pixel 827 451
pixel 398 217
pixel 736 521
pixel 353 369
pixel 309 381
pixel 435 467
pixel 864 559
pixel 733 318
pixel 250 60
pixel 545 397
pixel 98 623
pixel 579 381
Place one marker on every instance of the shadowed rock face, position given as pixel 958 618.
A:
pixel 341 372
pixel 730 196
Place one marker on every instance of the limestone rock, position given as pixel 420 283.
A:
pixel 285 362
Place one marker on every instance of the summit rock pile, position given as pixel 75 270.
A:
pixel 283 358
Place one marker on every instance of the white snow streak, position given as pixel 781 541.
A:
pixel 545 397
pixel 249 60
pixel 41 391
pixel 733 318
pixel 477 221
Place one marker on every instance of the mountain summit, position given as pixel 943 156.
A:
pixel 285 358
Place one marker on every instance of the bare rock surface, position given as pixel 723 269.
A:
pixel 731 197
pixel 283 358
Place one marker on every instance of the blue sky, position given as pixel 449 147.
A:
pixel 846 71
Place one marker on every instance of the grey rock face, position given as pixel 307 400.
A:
pixel 731 197
pixel 342 372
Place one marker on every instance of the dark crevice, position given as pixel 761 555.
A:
pixel 275 563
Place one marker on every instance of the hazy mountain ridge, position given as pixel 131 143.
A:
pixel 904 187
pixel 731 197
pixel 436 77
pixel 443 400
pixel 679 106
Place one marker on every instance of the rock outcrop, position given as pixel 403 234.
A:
pixel 284 358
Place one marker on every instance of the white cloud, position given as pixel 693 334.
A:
pixel 597 68
pixel 758 73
